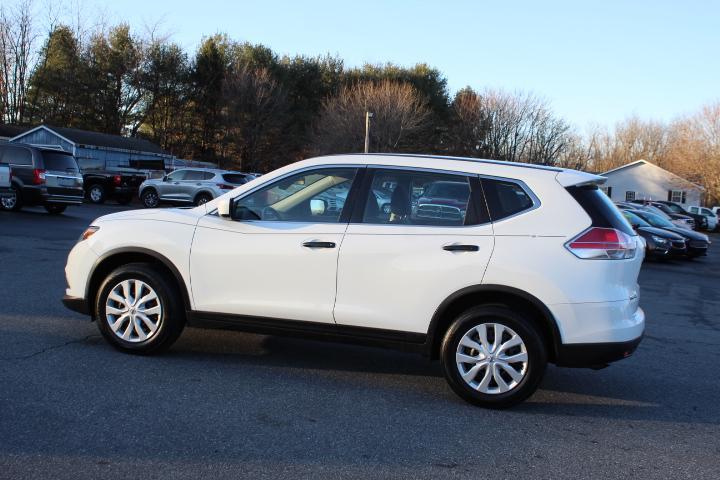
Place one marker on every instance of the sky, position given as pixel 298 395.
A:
pixel 596 62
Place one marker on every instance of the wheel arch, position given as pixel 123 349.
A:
pixel 122 256
pixel 510 297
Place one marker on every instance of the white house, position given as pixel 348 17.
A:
pixel 642 180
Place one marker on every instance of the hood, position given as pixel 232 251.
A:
pixel 188 216
pixel 661 233
pixel 692 235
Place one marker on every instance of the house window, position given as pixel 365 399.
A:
pixel 629 196
pixel 678 196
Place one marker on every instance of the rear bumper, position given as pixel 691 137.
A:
pixel 41 195
pixel 589 355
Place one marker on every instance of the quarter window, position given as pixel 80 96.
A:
pixel 315 196
pixel 404 197
pixel 505 198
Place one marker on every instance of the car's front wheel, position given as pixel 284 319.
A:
pixel 138 309
pixel 493 356
pixel 150 198
pixel 96 193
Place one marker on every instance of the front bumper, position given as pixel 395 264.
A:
pixel 76 304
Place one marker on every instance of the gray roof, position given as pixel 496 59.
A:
pixel 97 139
pixel 10 131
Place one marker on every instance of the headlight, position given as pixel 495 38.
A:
pixel 89 232
pixel 660 240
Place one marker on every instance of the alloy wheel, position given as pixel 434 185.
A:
pixel 491 358
pixel 133 311
pixel 96 194
pixel 10 201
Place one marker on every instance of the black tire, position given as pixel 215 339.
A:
pixel 202 199
pixel 12 203
pixel 124 200
pixel 96 193
pixel 170 324
pixel 55 209
pixel 522 326
pixel 150 198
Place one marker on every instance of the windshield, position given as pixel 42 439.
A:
pixel 657 220
pixel 59 161
pixel 674 208
pixel 634 220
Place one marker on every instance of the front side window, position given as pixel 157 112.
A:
pixel 315 196
pixel 418 198
pixel 177 175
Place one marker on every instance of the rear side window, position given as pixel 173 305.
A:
pixel 505 198
pixel 236 178
pixel 600 208
pixel 405 197
pixel 59 161
pixel 16 156
pixel 194 175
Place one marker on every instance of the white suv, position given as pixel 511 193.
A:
pixel 495 268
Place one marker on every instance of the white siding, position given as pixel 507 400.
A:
pixel 649 182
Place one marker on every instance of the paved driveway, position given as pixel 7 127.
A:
pixel 230 405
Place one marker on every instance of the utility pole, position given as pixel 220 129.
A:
pixel 367 131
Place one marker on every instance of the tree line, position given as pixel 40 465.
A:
pixel 243 106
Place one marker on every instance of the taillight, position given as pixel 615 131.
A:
pixel 38 176
pixel 598 243
pixel 224 186
pixel 117 180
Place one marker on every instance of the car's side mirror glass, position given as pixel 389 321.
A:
pixel 318 206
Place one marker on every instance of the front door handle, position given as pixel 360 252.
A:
pixel 461 248
pixel 314 244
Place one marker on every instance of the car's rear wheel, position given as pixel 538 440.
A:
pixel 138 309
pixel 202 199
pixel 493 356
pixel 150 198
pixel 12 202
pixel 55 209
pixel 96 193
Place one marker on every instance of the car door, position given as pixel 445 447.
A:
pixel 170 187
pixel 190 185
pixel 398 263
pixel 279 259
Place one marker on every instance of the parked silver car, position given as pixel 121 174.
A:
pixel 190 186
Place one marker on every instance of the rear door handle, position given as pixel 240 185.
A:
pixel 461 248
pixel 314 244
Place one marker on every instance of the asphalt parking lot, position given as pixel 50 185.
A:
pixel 230 405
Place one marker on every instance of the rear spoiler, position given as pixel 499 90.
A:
pixel 575 178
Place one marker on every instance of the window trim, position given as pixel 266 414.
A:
pixel 344 215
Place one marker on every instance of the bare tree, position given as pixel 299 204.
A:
pixel 253 116
pixel 468 125
pixel 17 53
pixel 400 115
pixel 522 128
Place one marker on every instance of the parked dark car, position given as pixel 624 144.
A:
pixel 700 220
pixel 120 186
pixel 697 243
pixel 41 176
pixel 659 243
pixel 677 211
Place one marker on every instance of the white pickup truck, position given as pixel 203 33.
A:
pixel 4 180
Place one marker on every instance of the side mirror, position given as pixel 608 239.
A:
pixel 165 178
pixel 224 207
pixel 318 206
